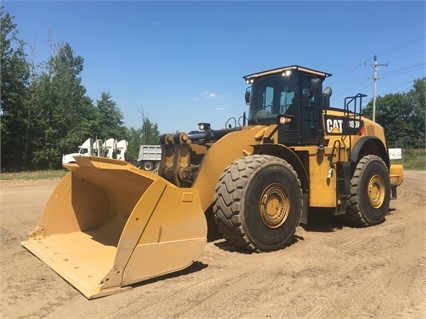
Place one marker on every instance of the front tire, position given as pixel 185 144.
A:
pixel 258 202
pixel 370 192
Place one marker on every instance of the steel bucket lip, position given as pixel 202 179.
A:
pixel 77 258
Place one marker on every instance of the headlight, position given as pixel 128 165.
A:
pixel 204 126
pixel 284 119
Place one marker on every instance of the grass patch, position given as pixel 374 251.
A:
pixel 34 175
pixel 413 159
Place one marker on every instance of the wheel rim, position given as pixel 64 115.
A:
pixel 274 206
pixel 376 191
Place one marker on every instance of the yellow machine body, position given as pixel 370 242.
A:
pixel 109 224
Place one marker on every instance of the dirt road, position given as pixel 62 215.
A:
pixel 332 270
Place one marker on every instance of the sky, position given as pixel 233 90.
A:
pixel 179 63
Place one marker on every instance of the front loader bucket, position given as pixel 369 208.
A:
pixel 108 225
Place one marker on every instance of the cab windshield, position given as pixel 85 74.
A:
pixel 272 96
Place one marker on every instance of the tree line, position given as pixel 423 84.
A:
pixel 402 115
pixel 45 111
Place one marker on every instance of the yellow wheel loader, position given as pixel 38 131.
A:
pixel 109 225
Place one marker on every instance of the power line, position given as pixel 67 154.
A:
pixel 344 74
pixel 408 55
pixel 387 52
pixel 401 87
pixel 410 68
pixel 403 45
pixel 403 51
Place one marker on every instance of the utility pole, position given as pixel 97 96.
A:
pixel 376 66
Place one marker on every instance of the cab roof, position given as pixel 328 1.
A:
pixel 286 68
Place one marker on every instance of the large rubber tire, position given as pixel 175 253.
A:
pixel 370 192
pixel 258 202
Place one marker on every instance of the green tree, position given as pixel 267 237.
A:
pixel 110 119
pixel 45 112
pixel 66 114
pixel 402 115
pixel 15 74
pixel 417 97
pixel 150 134
pixel 134 137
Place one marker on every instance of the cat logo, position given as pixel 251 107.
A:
pixel 334 126
pixel 339 125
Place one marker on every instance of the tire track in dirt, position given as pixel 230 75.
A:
pixel 380 257
pixel 202 285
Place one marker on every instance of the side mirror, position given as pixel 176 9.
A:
pixel 247 95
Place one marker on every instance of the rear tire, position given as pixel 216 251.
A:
pixel 258 202
pixel 370 192
pixel 147 166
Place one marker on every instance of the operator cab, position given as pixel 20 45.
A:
pixel 293 94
